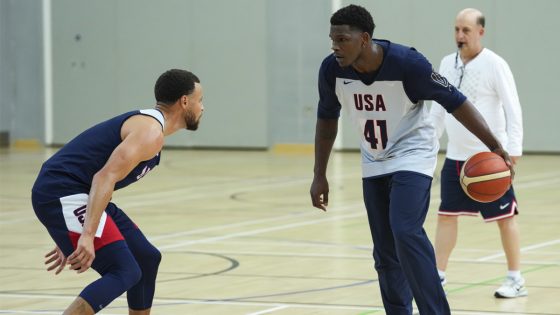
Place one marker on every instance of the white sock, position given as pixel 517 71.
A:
pixel 514 274
pixel 441 274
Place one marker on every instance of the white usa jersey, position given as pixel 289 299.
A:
pixel 393 123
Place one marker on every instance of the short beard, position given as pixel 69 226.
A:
pixel 191 122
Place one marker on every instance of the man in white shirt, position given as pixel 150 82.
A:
pixel 486 79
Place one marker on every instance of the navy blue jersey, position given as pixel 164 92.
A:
pixel 391 118
pixel 71 169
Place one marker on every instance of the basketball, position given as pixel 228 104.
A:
pixel 485 177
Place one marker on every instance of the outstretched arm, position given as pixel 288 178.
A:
pixel 325 134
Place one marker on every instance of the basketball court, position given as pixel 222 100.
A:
pixel 239 236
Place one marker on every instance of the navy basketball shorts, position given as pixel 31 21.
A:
pixel 454 201
pixel 64 217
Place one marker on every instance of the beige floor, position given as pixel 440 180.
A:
pixel 239 236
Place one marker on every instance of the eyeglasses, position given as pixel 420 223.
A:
pixel 461 68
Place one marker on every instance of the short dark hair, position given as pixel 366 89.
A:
pixel 480 20
pixel 354 16
pixel 173 84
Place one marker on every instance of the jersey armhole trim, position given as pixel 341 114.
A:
pixel 156 114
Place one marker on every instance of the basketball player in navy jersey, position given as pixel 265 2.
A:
pixel 72 195
pixel 382 86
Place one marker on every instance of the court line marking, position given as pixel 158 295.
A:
pixel 281 254
pixel 346 246
pixel 42 312
pixel 270 310
pixel 301 243
pixel 198 302
pixel 349 256
pixel 230 303
pixel 243 223
pixel 342 247
pixel 499 262
pixel 258 231
pixel 524 249
pixel 213 190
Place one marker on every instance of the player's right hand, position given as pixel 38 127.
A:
pixel 82 258
pixel 509 162
pixel 320 192
pixel 57 258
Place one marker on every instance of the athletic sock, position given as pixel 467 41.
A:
pixel 514 274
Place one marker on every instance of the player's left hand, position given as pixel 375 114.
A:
pixel 57 258
pixel 506 157
pixel 82 258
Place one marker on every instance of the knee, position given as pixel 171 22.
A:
pixel 154 256
pixel 149 257
pixel 507 224
pixel 405 236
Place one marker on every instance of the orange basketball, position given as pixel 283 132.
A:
pixel 485 177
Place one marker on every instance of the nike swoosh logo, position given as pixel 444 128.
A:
pixel 502 207
pixel 347 82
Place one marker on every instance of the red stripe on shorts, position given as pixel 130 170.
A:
pixel 111 234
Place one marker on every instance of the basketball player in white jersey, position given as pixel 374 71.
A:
pixel 382 87
pixel 486 79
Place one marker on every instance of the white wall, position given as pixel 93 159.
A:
pixel 108 54
pixel 523 32
pixel 257 59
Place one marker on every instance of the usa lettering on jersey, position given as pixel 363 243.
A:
pixel 366 102
pixel 374 130
pixel 74 209
pixel 80 213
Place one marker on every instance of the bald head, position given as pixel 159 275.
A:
pixel 473 15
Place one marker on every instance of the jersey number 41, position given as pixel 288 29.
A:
pixel 377 140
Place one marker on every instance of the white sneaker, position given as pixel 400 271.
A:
pixel 443 281
pixel 511 288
